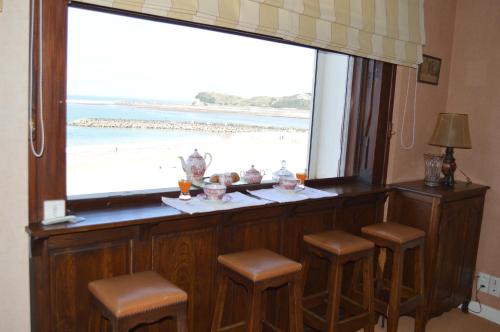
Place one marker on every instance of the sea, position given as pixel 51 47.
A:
pixel 83 136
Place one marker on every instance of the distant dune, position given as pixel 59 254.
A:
pixel 252 106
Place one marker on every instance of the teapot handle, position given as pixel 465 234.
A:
pixel 205 157
pixel 262 172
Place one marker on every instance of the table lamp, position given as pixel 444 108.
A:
pixel 452 131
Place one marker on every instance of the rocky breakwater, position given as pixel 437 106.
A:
pixel 175 125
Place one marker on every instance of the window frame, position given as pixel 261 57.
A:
pixel 370 104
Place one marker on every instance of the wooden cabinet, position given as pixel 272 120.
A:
pixel 182 248
pixel 451 218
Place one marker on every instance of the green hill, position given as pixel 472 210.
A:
pixel 298 101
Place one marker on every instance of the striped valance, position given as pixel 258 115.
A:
pixel 387 30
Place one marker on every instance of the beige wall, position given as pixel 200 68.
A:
pixel 465 34
pixel 14 298
pixel 431 99
pixel 475 89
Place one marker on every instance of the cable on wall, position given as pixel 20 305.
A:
pixel 412 144
pixel 36 153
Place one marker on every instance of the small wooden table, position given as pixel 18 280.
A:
pixel 451 218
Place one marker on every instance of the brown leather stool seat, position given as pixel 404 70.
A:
pixel 259 264
pixel 398 239
pixel 144 297
pixel 338 242
pixel 393 232
pixel 339 248
pixel 258 270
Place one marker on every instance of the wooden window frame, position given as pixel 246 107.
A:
pixel 368 131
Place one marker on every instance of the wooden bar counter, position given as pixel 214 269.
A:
pixel 183 248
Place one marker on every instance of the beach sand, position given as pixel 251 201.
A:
pixel 130 167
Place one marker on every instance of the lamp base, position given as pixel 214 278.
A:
pixel 448 169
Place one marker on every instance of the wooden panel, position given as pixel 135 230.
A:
pixel 258 233
pixel 306 219
pixel 188 260
pixel 410 209
pixel 457 249
pixel 184 250
pixel 451 218
pixel 48 173
pixel 70 272
pixel 463 289
pixel 358 212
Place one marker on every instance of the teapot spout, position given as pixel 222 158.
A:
pixel 183 163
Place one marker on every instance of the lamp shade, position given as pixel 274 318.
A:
pixel 452 130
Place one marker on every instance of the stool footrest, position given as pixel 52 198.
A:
pixel 232 326
pixel 271 326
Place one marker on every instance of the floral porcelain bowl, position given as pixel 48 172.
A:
pixel 288 183
pixel 214 191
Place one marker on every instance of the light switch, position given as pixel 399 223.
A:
pixel 54 209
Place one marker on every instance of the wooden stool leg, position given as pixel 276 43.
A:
pixel 181 319
pixel 219 302
pixel 115 326
pixel 335 292
pixel 395 291
pixel 254 321
pixel 306 265
pixel 420 316
pixel 368 292
pixel 294 305
pixel 356 271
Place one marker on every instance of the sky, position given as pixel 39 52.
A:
pixel 116 56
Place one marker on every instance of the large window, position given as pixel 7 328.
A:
pixel 142 93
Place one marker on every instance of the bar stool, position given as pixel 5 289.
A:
pixel 339 248
pixel 258 270
pixel 399 238
pixel 140 298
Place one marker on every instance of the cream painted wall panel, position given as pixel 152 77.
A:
pixel 14 277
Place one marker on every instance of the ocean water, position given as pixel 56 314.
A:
pixel 81 136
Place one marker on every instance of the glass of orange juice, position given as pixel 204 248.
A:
pixel 301 176
pixel 184 186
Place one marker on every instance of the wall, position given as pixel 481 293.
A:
pixel 464 34
pixel 475 89
pixel 431 99
pixel 14 304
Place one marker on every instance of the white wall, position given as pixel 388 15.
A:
pixel 14 275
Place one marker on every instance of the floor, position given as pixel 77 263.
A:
pixel 453 321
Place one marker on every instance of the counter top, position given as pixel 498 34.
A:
pixel 460 189
pixel 127 215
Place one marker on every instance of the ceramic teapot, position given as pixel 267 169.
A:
pixel 252 176
pixel 195 166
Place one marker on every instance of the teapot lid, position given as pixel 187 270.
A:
pixel 283 172
pixel 195 154
pixel 252 171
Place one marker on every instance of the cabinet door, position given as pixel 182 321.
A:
pixel 188 260
pixel 77 259
pixel 474 209
pixel 457 248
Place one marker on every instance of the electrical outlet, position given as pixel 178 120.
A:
pixel 483 282
pixel 494 287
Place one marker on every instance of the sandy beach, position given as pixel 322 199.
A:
pixel 128 167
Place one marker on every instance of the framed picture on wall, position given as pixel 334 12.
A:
pixel 428 70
